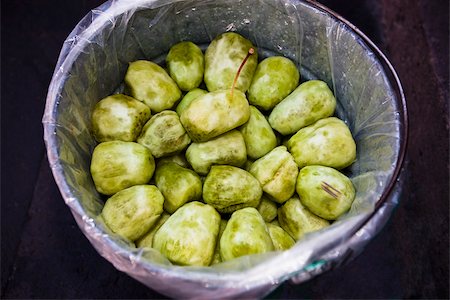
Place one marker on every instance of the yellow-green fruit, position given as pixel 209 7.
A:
pixel 215 113
pixel 228 189
pixel 131 212
pixel 226 149
pixel 258 135
pixel 277 173
pixel 178 185
pixel 281 239
pixel 178 158
pixel 216 258
pixel 275 222
pixel 188 98
pixel 248 165
pixel 119 118
pixel 328 142
pixel 189 236
pixel 325 191
pixel 311 101
pixel 246 233
pixel 223 58
pixel 274 79
pixel 164 135
pixel 297 220
pixel 151 84
pixel 267 209
pixel 118 165
pixel 186 65
pixel 146 241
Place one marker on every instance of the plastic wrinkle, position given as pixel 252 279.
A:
pixel 93 62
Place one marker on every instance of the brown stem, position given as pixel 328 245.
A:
pixel 250 52
pixel 332 191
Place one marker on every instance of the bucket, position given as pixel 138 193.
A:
pixel 92 65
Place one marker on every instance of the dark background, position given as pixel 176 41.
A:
pixel 45 255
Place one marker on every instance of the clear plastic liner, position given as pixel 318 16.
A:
pixel 92 65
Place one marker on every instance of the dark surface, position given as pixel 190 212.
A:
pixel 45 255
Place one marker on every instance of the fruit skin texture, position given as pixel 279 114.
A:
pixel 226 149
pixel 311 101
pixel 267 209
pixel 228 189
pixel 215 113
pixel 178 185
pixel 296 220
pixel 223 58
pixel 131 212
pixel 325 191
pixel 246 233
pixel 186 65
pixel 118 165
pixel 281 239
pixel 328 142
pixel 178 158
pixel 277 173
pixel 119 118
pixel 274 79
pixel 146 241
pixel 216 258
pixel 150 83
pixel 188 98
pixel 188 237
pixel 164 135
pixel 258 135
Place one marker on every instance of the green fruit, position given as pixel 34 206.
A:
pixel 275 222
pixel 311 101
pixel 217 258
pixel 119 117
pixel 146 241
pixel 223 58
pixel 178 158
pixel 118 165
pixel 215 113
pixel 296 220
pixel 258 135
pixel 328 142
pixel 151 84
pixel 267 209
pixel 178 185
pixel 281 239
pixel 189 236
pixel 246 233
pixel 248 165
pixel 186 65
pixel 164 135
pixel 325 191
pixel 274 79
pixel 228 149
pixel 131 212
pixel 188 98
pixel 277 173
pixel 228 189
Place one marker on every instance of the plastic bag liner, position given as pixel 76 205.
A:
pixel 92 65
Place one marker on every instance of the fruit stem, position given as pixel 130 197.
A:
pixel 332 191
pixel 250 52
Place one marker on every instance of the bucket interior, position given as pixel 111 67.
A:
pixel 92 66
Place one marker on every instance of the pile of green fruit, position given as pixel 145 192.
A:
pixel 248 166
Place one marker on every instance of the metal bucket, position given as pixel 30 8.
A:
pixel 92 65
